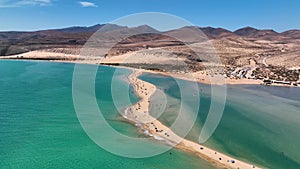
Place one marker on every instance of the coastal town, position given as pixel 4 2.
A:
pixel 271 76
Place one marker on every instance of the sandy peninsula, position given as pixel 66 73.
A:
pixel 139 113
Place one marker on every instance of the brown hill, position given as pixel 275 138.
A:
pixel 234 48
pixel 295 34
pixel 216 32
pixel 256 33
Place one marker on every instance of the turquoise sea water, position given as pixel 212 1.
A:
pixel 260 124
pixel 39 127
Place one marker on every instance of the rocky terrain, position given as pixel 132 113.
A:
pixel 245 53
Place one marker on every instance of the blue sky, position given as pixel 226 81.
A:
pixel 279 15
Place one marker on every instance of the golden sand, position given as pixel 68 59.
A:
pixel 139 113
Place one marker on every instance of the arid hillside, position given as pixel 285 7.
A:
pixel 244 53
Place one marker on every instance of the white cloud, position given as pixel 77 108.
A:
pixel 87 4
pixel 20 3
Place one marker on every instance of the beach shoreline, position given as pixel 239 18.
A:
pixel 69 58
pixel 139 114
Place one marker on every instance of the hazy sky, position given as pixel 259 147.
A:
pixel 279 15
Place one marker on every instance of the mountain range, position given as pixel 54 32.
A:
pixel 19 42
pixel 266 47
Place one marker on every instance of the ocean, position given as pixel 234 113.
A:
pixel 39 127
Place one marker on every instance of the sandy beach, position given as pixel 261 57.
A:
pixel 70 58
pixel 135 58
pixel 139 113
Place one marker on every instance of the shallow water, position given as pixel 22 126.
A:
pixel 260 124
pixel 39 127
